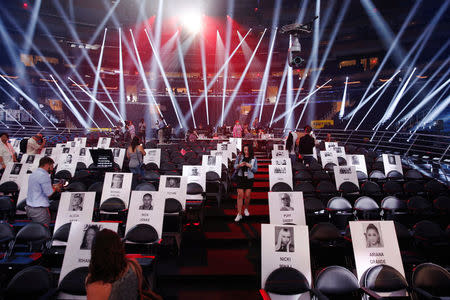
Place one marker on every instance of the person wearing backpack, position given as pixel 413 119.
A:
pixel 35 144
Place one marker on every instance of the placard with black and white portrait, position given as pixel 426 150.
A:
pixel 83 152
pixel 48 151
pixel 372 234
pixel 117 181
pixel 211 160
pixel 194 172
pixel 173 182
pixel 16 169
pixel 355 160
pixel 116 152
pixel 147 200
pixel 30 159
pixel 391 159
pixel 76 202
pixel 90 231
pixel 285 202
pixel 66 150
pixel 284 239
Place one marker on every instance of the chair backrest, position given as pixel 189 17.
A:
pixel 194 188
pixel 212 176
pixel 286 281
pixel 313 204
pixel 76 187
pixel 394 175
pixel 418 203
pixel 6 233
pixel 427 231
pixel 62 233
pixel 348 187
pixel 339 204
pixel 377 175
pixel 96 187
pixel 442 203
pixel 30 283
pixel 336 281
pixel 324 231
pixel 393 203
pixel 63 174
pixel 383 278
pixel 145 186
pixel 431 278
pixel 74 282
pixel 305 187
pixel 281 187
pixel 33 232
pixel 325 187
pixel 112 205
pixel 142 234
pixel 366 203
pixel 370 188
pixel 172 206
pixel 392 187
pixel 9 187
pixel 413 175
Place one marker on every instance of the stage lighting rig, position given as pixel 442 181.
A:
pixel 294 31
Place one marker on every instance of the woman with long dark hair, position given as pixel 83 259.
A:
pixel 290 146
pixel 135 154
pixel 111 274
pixel 245 167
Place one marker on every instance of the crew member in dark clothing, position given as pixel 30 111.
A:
pixel 306 145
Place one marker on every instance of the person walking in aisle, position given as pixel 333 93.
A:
pixel 245 167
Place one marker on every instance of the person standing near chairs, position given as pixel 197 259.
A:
pixel 39 189
pixel 142 130
pixel 245 168
pixel 290 146
pixel 306 145
pixel 131 129
pixel 135 154
pixel 237 130
pixel 7 153
pixel 35 144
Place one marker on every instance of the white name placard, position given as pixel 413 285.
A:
pixel 152 156
pixel 104 143
pixel 23 193
pixel 345 173
pixel 284 246
pixel 375 243
pixel 146 208
pixel 80 141
pixel 277 147
pixel 226 155
pixel 280 174
pixel 340 151
pixel 330 145
pixel 328 157
pixel 195 174
pixel 280 161
pixel 392 163
pixel 119 156
pixel 358 161
pixel 117 185
pixel 84 156
pixel 280 153
pixel 79 244
pixel 212 163
pixel 286 207
pixel 14 172
pixel 67 161
pixel 237 142
pixel 74 207
pixel 172 186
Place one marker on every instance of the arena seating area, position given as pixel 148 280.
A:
pixel 204 254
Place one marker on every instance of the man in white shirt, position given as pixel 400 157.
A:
pixel 35 144
pixel 7 153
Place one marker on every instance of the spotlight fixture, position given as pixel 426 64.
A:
pixel 191 21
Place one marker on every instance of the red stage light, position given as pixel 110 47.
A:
pixel 256 9
pixel 25 5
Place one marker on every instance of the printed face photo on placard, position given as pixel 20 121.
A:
pixel 68 159
pixel 146 204
pixel 392 163
pixel 116 152
pixel 372 233
pixel 72 144
pixel 224 147
pixel 284 239
pixel 211 160
pixel 89 233
pixel 355 160
pixel 76 202
pixel 285 202
pixel 65 150
pixel 30 159
pixel 391 159
pixel 194 172
pixel 117 181
pixel 16 169
pixel 48 151
pixel 82 152
pixel 330 145
pixel 173 182
pixel 358 161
